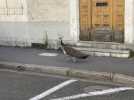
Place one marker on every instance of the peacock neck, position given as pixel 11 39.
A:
pixel 62 43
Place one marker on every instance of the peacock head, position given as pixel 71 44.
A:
pixel 60 39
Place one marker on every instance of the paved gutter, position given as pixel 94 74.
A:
pixel 71 72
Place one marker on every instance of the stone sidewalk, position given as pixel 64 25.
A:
pixel 94 68
pixel 101 64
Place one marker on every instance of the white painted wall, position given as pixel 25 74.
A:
pixel 51 16
pixel 74 20
pixel 48 10
pixel 25 33
pixel 13 10
pixel 129 21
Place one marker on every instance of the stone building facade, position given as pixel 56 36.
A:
pixel 23 22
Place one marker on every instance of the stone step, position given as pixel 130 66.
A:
pixel 105 52
pixel 102 45
pixel 103 49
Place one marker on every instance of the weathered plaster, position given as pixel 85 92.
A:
pixel 48 10
pixel 129 21
pixel 74 20
pixel 44 16
pixel 10 7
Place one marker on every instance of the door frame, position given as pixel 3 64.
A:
pixel 128 23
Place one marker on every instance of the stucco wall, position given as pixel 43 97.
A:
pixel 13 10
pixel 25 33
pixel 129 21
pixel 48 10
pixel 51 16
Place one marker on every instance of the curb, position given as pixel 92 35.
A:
pixel 84 74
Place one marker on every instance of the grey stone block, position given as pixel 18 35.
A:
pixel 123 79
pixel 90 75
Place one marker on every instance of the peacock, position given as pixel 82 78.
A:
pixel 72 52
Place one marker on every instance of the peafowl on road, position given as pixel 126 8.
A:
pixel 72 52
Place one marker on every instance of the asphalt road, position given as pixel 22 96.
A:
pixel 31 56
pixel 23 86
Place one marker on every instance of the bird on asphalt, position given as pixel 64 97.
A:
pixel 72 52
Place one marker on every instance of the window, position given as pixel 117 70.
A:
pixel 12 9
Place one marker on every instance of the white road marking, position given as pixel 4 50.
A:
pixel 48 54
pixel 95 93
pixel 52 90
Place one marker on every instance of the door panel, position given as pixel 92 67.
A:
pixel 85 19
pixel 118 20
pixel 118 15
pixel 107 15
pixel 101 13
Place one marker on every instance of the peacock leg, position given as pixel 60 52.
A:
pixel 67 58
pixel 74 59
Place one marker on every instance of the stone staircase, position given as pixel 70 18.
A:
pixel 103 49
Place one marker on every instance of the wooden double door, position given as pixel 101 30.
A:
pixel 104 15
